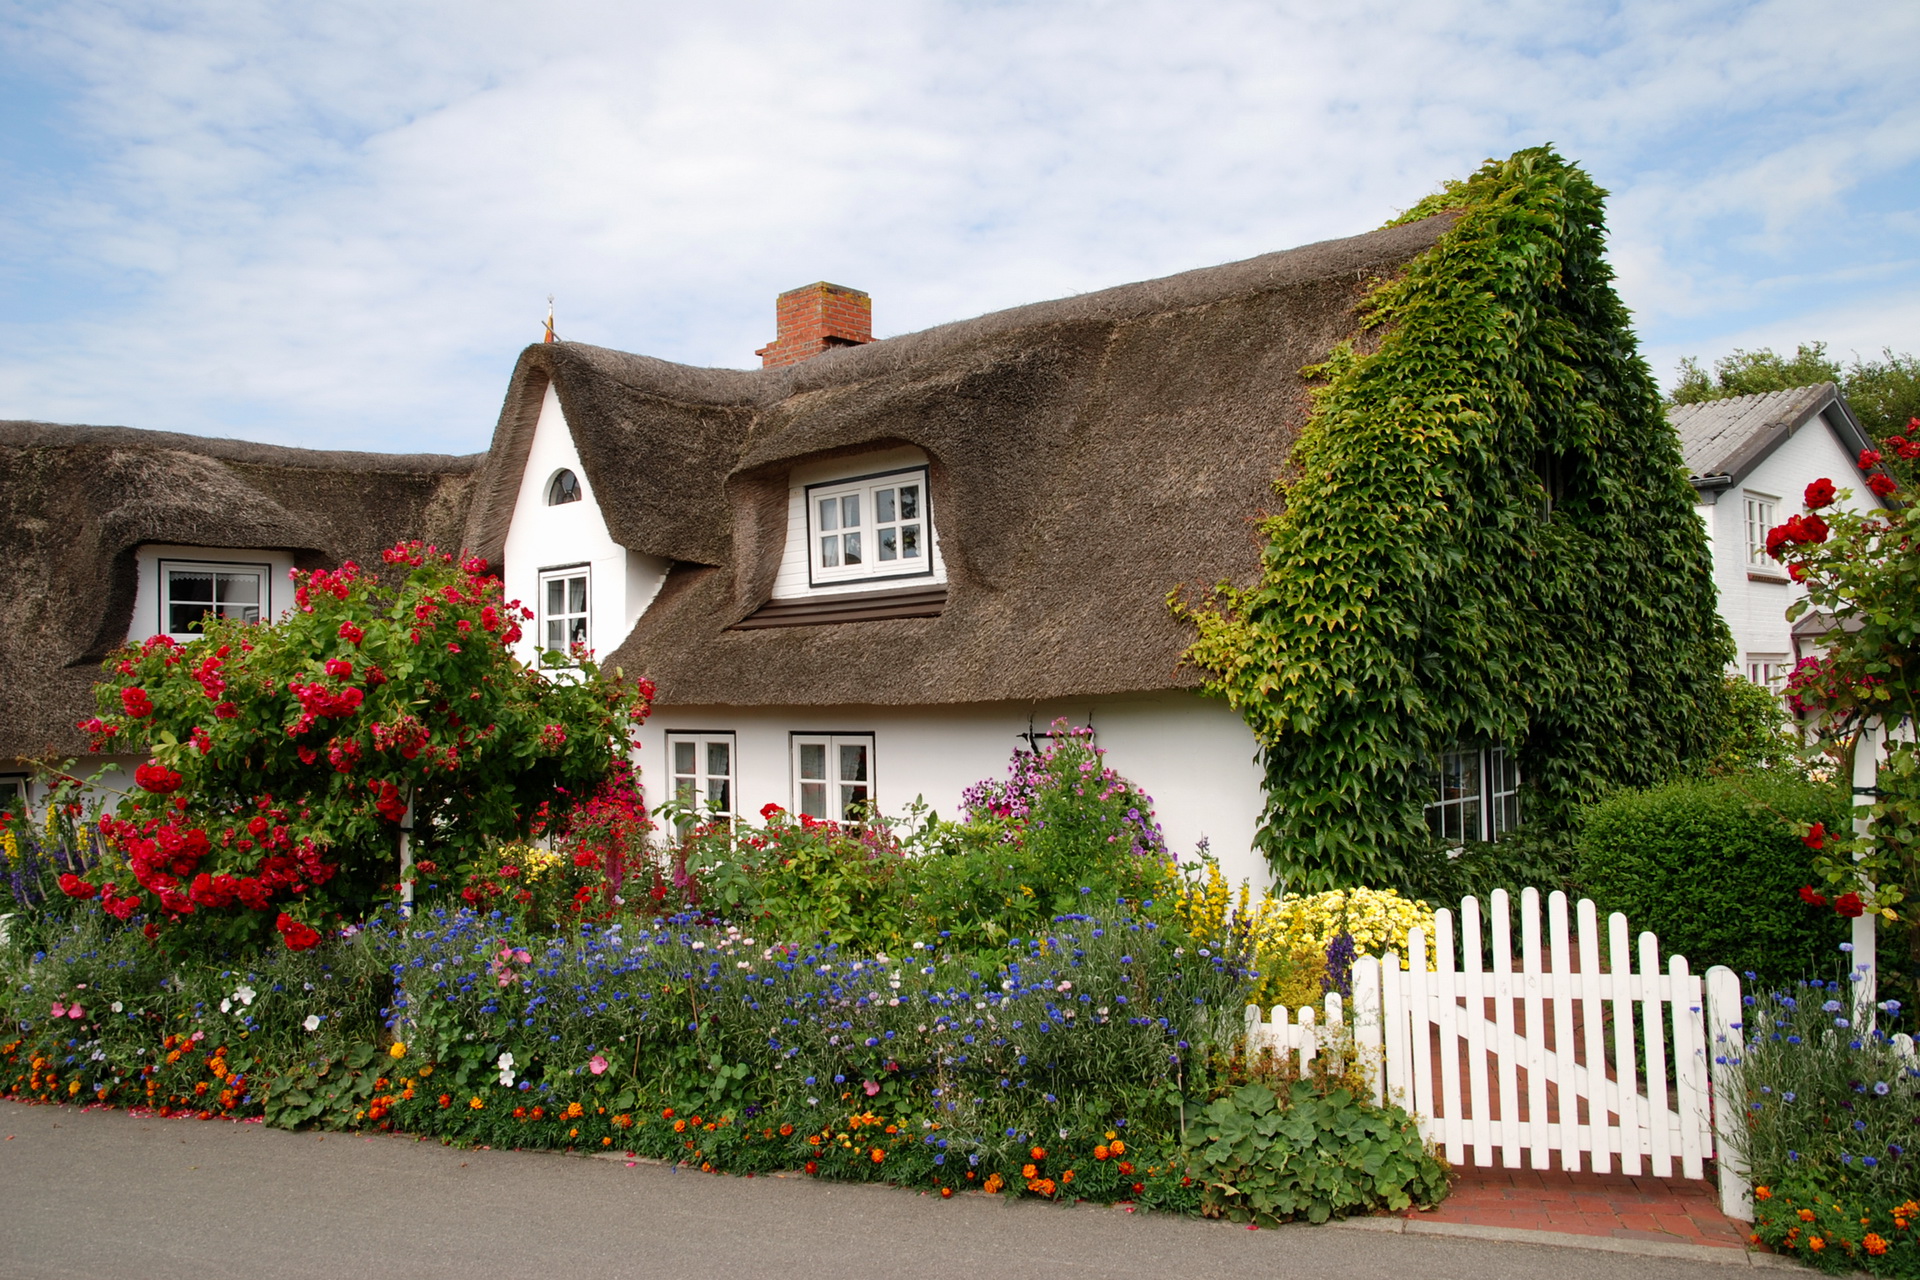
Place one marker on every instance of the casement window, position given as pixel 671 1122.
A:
pixel 833 775
pixel 1769 670
pixel 564 608
pixel 1760 509
pixel 190 591
pixel 703 769
pixel 869 528
pixel 1474 795
pixel 563 488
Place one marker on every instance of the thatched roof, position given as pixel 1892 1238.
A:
pixel 77 501
pixel 1087 456
pixel 1723 440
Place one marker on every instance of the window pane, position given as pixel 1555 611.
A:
pixel 830 552
pixel 720 758
pixel 238 588
pixel 883 506
pixel 850 511
pixel 195 587
pixel 577 631
pixel 684 755
pixel 813 761
pixel 853 762
pixel 909 502
pixel 684 790
pixel 909 542
pixel 813 799
pixel 556 596
pixel 829 514
pixel 718 795
pixel 576 595
pixel 853 803
pixel 556 633
pixel 889 544
pixel 853 547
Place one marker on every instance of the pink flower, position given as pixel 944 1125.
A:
pixel 597 1065
pixel 59 1010
pixel 75 1011
pixel 871 1088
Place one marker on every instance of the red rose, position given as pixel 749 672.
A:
pixel 74 887
pixel 1817 837
pixel 768 810
pixel 340 667
pixel 1882 485
pixel 298 937
pixel 584 859
pixel 1869 459
pixel 226 711
pixel 137 703
pixel 1849 905
pixel 1819 493
pixel 157 778
pixel 1812 899
pixel 1909 450
pixel 351 634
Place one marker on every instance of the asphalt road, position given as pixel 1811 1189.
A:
pixel 104 1195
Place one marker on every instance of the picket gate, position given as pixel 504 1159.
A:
pixel 1541 1054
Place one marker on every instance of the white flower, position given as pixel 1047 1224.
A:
pixel 312 1023
pixel 118 1007
pixel 506 1075
pixel 226 1006
pixel 244 994
pixel 504 1062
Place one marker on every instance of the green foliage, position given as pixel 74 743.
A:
pixel 1713 868
pixel 1754 731
pixel 1884 393
pixel 1746 373
pixel 1464 508
pixel 1856 1231
pixel 283 756
pixel 1269 1155
pixel 1533 855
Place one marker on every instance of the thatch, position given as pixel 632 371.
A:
pixel 78 501
pixel 1087 456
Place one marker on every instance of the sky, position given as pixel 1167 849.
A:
pixel 336 224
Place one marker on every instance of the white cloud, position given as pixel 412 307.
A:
pixel 339 223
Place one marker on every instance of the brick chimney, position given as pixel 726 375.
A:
pixel 816 318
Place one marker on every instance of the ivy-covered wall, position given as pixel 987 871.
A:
pixel 1486 536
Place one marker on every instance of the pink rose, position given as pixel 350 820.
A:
pixel 598 1065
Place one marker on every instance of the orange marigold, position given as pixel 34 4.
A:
pixel 1762 1193
pixel 878 1155
pixel 1806 1215
pixel 1117 1147
pixel 1101 1152
pixel 1029 1171
pixel 1875 1244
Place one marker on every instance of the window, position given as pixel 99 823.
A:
pixel 564 487
pixel 873 527
pixel 1769 670
pixel 833 775
pixel 563 608
pixel 189 592
pixel 702 771
pixel 1759 520
pixel 1476 795
pixel 13 793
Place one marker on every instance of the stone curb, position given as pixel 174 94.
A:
pixel 1568 1240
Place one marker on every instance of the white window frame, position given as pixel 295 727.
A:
pixel 693 789
pixel 13 791
pixel 1476 794
pixel 1769 670
pixel 863 490
pixel 564 573
pixel 1761 512
pixel 166 568
pixel 838 793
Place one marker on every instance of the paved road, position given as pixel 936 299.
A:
pixel 104 1195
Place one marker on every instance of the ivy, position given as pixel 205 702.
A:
pixel 1486 536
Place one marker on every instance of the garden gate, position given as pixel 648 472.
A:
pixel 1544 1053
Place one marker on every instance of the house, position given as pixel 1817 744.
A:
pixel 1750 460
pixel 113 535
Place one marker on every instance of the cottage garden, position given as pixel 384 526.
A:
pixel 376 874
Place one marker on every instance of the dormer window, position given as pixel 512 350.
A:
pixel 869 528
pixel 192 592
pixel 564 487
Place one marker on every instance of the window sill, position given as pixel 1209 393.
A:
pixel 1778 578
pixel 864 606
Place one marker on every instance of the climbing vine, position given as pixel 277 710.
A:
pixel 1486 537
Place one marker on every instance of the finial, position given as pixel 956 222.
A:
pixel 550 334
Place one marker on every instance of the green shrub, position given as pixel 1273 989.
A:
pixel 1713 867
pixel 1268 1155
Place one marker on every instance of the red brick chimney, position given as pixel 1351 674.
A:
pixel 816 318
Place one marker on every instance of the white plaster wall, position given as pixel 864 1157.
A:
pixel 1193 755
pixel 622 583
pixel 146 601
pixel 111 777
pixel 1753 601
pixel 791 581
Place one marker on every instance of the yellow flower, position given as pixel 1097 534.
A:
pixel 399 1050
pixel 477 1105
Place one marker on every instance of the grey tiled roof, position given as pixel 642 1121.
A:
pixel 1721 437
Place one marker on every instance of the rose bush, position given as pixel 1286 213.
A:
pixel 283 758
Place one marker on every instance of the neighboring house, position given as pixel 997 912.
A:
pixel 1750 459
pixel 113 535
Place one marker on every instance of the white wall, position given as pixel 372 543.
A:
pixel 1754 601
pixel 622 582
pixel 791 581
pixel 1193 755
pixel 146 601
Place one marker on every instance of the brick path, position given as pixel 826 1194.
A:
pixel 1672 1210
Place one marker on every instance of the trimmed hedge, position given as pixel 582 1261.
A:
pixel 1712 867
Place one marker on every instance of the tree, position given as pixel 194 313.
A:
pixel 1884 393
pixel 282 759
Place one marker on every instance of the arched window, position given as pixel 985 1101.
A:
pixel 564 487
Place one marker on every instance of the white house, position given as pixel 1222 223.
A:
pixel 1750 460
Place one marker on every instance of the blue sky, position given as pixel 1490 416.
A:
pixel 335 225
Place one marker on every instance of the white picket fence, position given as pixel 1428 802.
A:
pixel 1544 1055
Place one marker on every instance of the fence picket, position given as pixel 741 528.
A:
pixel 1602 1095
pixel 1653 1036
pixel 1366 1023
pixel 1633 1146
pixel 1566 1131
pixel 1536 1037
pixel 1397 1045
pixel 1726 1046
pixel 1504 1046
pixel 1689 1093
pixel 1417 1002
pixel 1445 985
pixel 1474 980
